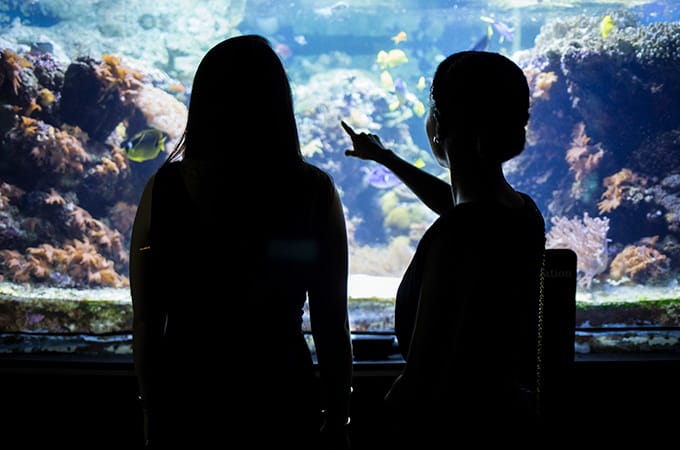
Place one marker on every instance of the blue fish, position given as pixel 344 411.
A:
pixel 482 44
pixel 382 178
pixel 503 29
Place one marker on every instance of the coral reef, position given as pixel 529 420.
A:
pixel 588 238
pixel 618 186
pixel 621 88
pixel 639 261
pixel 68 191
pixel 582 158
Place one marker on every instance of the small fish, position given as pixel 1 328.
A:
pixel 400 87
pixel 328 11
pixel 392 58
pixel 399 37
pixel 382 178
pixel 606 26
pixel 145 145
pixel 503 29
pixel 44 47
pixel 420 163
pixel 418 108
pixel 300 39
pixel 421 83
pixel 386 80
pixel 482 44
pixel 283 50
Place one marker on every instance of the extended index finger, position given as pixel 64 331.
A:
pixel 348 129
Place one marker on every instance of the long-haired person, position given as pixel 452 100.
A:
pixel 233 234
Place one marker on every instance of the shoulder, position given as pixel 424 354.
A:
pixel 167 170
pixel 316 174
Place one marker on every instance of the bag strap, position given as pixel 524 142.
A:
pixel 539 337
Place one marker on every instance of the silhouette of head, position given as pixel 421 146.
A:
pixel 482 97
pixel 241 100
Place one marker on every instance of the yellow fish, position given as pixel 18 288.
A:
pixel 606 26
pixel 421 83
pixel 145 145
pixel 420 163
pixel 387 81
pixel 391 59
pixel 399 37
pixel 418 108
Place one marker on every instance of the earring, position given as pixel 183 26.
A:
pixel 436 140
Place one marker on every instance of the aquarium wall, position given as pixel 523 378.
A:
pixel 93 96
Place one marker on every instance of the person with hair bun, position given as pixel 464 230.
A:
pixel 466 307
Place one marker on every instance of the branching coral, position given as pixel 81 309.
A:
pixel 50 146
pixel 617 185
pixel 95 232
pixel 9 193
pixel 582 157
pixel 540 82
pixel 383 261
pixel 588 238
pixel 635 260
pixel 11 65
pixel 77 263
pixel 119 77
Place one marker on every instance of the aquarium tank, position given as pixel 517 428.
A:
pixel 93 96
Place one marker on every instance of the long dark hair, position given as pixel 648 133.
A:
pixel 241 100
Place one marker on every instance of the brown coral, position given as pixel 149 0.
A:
pixel 543 83
pixel 635 260
pixel 50 146
pixel 8 193
pixel 582 157
pixel 107 240
pixel 77 261
pixel 11 65
pixel 118 76
pixel 617 184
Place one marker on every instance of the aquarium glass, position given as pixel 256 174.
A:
pixel 93 95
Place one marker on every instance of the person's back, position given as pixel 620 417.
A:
pixel 231 255
pixel 476 368
pixel 467 307
pixel 234 329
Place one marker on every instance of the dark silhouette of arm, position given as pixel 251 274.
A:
pixel 432 191
pixel 329 316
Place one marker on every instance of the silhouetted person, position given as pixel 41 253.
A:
pixel 233 233
pixel 466 308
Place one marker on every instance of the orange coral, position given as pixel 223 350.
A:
pixel 11 65
pixel 114 164
pixel 32 107
pixel 9 192
pixel 582 157
pixel 54 198
pixel 117 76
pixel 107 240
pixel 636 259
pixel 106 166
pixel 77 259
pixel 53 147
pixel 543 83
pixel 46 97
pixel 617 185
